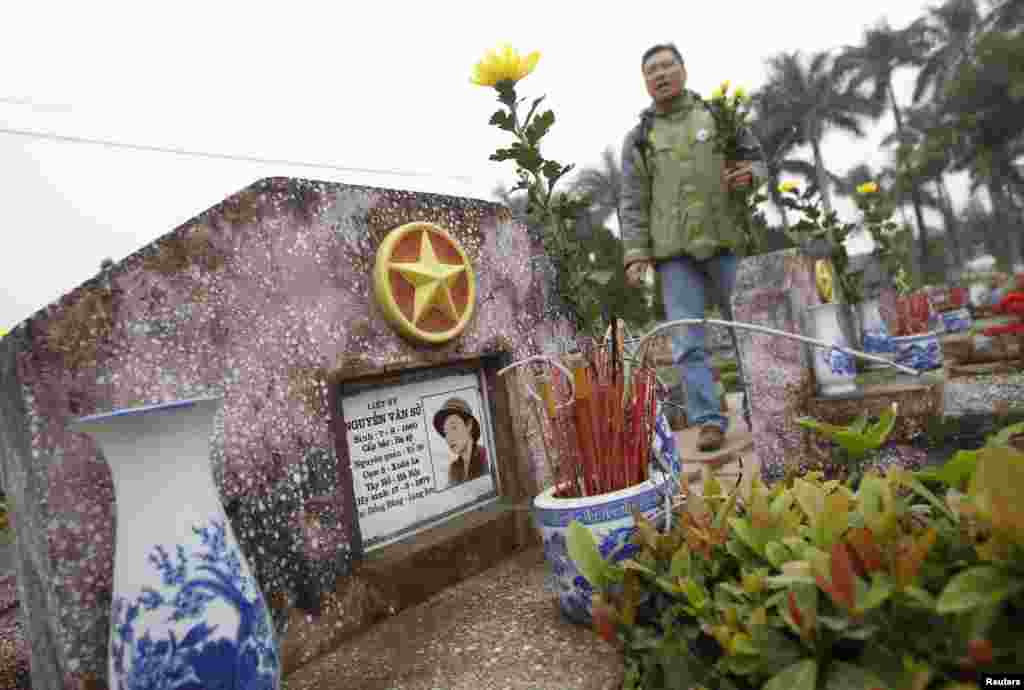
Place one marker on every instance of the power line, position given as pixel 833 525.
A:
pixel 222 156
pixel 35 105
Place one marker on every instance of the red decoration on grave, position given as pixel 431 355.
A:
pixel 1012 305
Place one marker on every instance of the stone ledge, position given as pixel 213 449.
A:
pixel 406 573
pixel 918 401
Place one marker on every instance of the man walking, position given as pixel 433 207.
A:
pixel 674 192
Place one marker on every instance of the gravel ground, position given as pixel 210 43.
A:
pixel 498 630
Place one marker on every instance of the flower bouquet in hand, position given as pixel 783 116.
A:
pixel 732 139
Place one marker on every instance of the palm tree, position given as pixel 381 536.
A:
pixel 1006 15
pixel 883 51
pixel 604 186
pixel 982 123
pixel 778 139
pixel 949 31
pixel 930 161
pixel 807 96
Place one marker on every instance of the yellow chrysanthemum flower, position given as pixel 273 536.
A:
pixel 740 94
pixel 787 186
pixel 504 64
pixel 867 188
pixel 717 95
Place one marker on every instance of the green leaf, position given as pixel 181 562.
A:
pixel 695 594
pixel 981 585
pixel 844 676
pixel 552 170
pixel 1002 439
pixel 584 553
pixel 747 534
pixel 503 120
pixel 799 676
pixel 539 127
pixel 668 585
pixel 502 155
pixel 778 649
pixel 881 589
pixel 923 491
pixel 920 596
pixel 981 619
pixel 857 438
pixel 956 472
pixel 680 566
pixel 777 554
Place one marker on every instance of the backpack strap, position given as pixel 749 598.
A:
pixel 643 134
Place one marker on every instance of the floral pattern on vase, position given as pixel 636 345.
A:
pixel 921 352
pixel 957 320
pixel 205 656
pixel 834 369
pixel 839 363
pixel 574 591
pixel 609 518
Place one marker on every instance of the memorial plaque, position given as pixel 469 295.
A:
pixel 421 451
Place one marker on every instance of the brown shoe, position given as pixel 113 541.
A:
pixel 710 438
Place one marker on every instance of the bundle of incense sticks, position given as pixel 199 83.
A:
pixel 603 439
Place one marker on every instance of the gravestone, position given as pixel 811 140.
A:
pixel 772 290
pixel 349 331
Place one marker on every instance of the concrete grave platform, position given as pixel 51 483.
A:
pixel 498 629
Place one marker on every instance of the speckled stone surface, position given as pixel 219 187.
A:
pixel 500 630
pixel 779 369
pixel 14 649
pixel 265 300
pixel 979 395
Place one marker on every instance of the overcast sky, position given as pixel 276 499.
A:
pixel 375 85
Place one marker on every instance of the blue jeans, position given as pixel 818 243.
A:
pixel 685 282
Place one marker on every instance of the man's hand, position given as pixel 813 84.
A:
pixel 738 175
pixel 637 271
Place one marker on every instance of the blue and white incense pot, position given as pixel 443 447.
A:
pixel 609 517
pixel 187 612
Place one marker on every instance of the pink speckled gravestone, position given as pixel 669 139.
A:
pixel 778 369
pixel 265 301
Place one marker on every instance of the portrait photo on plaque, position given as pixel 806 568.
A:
pixel 458 446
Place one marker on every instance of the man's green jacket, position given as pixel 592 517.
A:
pixel 674 205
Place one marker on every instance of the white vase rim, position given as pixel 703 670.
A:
pixel 143 409
pixel 546 499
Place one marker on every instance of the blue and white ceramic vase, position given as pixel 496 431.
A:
pixel 834 370
pixel 922 351
pixel 609 517
pixel 875 337
pixel 186 613
pixel 957 320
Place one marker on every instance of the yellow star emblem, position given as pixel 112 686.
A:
pixel 432 280
pixel 424 282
